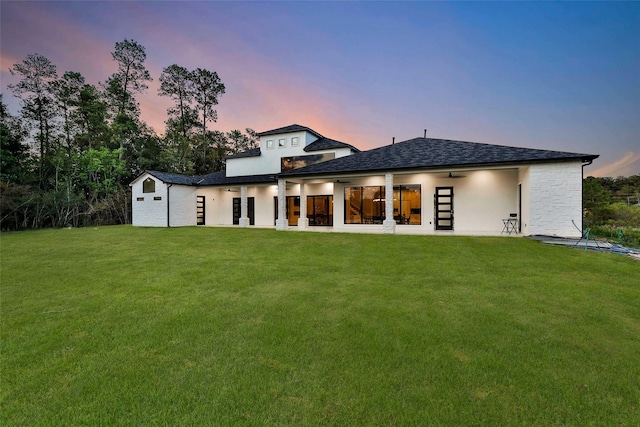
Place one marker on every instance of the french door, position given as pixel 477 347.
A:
pixel 443 207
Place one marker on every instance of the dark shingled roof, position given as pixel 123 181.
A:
pixel 328 144
pixel 254 152
pixel 289 129
pixel 173 178
pixel 320 144
pixel 215 178
pixel 425 153
pixel 220 178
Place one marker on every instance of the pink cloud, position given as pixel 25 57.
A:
pixel 627 165
pixel 264 92
pixel 261 93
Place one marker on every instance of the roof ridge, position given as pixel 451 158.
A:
pixel 289 129
pixel 417 153
pixel 481 143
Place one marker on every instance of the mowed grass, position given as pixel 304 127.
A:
pixel 215 326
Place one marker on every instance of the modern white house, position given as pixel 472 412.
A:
pixel 300 180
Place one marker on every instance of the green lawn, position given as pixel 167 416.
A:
pixel 215 326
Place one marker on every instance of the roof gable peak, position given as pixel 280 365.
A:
pixel 290 129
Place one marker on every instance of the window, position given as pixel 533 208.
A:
pixel 281 142
pixel 294 141
pixel 407 205
pixel 366 205
pixel 148 186
pixel 140 199
pixel 157 198
pixel 294 162
pixel 320 210
pixel 270 143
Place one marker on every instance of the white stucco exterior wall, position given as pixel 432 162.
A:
pixel 269 160
pixel 482 199
pixel 555 198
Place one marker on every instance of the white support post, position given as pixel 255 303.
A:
pixel 303 221
pixel 389 224
pixel 244 218
pixel 282 222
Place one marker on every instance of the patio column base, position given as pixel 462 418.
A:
pixel 389 226
pixel 282 224
pixel 303 223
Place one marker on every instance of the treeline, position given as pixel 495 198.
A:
pixel 68 156
pixel 613 202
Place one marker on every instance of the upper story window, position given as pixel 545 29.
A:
pixel 294 141
pixel 269 143
pixel 148 186
pixel 281 142
pixel 294 162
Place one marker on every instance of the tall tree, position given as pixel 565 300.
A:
pixel 91 117
pixel 208 153
pixel 207 88
pixel 14 154
pixel 66 92
pixel 131 78
pixel 38 105
pixel 176 83
pixel 239 142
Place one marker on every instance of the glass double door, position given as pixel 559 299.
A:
pixel 319 210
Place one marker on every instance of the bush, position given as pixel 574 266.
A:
pixel 625 236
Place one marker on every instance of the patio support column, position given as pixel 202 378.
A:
pixel 389 224
pixel 282 222
pixel 244 218
pixel 303 221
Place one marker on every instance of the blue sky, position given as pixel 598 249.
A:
pixel 561 76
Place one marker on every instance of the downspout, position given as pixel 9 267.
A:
pixel 168 206
pixel 587 163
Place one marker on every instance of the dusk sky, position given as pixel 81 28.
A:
pixel 560 76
